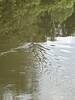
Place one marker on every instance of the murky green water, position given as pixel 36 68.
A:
pixel 38 71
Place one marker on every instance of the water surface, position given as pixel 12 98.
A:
pixel 38 71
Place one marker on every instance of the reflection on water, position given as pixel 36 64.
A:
pixel 39 71
pixel 10 95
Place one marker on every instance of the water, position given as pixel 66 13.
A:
pixel 38 71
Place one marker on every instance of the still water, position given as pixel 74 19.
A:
pixel 38 71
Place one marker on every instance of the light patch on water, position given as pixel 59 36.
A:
pixel 66 51
pixel 10 95
pixel 48 90
pixel 24 97
pixel 9 85
pixel 64 40
pixel 25 46
pixel 3 53
pixel 62 57
pixel 63 46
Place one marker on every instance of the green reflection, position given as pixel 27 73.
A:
pixel 19 72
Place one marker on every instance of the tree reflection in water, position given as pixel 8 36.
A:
pixel 12 95
pixel 23 66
